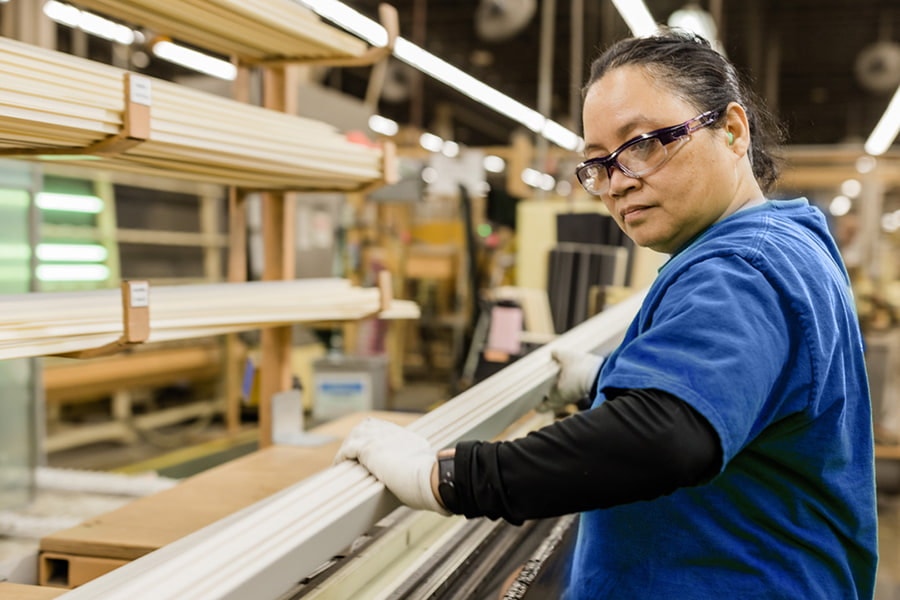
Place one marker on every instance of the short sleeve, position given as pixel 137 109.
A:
pixel 718 337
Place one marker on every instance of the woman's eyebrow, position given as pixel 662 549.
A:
pixel 621 131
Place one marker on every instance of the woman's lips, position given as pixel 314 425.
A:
pixel 633 213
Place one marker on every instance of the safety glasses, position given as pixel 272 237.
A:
pixel 642 155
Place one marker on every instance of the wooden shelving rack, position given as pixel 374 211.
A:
pixel 64 106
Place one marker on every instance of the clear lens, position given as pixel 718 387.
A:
pixel 643 156
pixel 635 161
pixel 594 179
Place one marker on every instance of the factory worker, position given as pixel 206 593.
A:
pixel 728 449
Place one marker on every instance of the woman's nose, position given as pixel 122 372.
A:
pixel 619 181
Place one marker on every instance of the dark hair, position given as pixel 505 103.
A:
pixel 694 71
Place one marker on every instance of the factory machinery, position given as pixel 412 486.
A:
pixel 340 534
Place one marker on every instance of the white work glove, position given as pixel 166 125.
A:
pixel 400 459
pixel 577 373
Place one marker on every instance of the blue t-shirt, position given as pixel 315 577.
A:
pixel 752 324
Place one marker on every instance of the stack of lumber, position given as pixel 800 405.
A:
pixel 266 548
pixel 258 30
pixel 57 104
pixel 39 324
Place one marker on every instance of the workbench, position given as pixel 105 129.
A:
pixel 73 556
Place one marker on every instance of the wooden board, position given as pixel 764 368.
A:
pixel 67 380
pixel 18 591
pixel 154 521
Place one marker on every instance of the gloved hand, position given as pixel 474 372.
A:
pixel 577 373
pixel 400 459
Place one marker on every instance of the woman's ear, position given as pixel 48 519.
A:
pixel 736 132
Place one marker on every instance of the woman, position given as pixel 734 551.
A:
pixel 729 445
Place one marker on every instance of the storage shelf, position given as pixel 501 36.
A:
pixel 72 108
pixel 253 31
pixel 40 324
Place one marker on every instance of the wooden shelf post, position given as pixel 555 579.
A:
pixel 278 219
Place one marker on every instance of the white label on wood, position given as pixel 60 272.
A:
pixel 140 294
pixel 140 90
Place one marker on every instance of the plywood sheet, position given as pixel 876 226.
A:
pixel 154 521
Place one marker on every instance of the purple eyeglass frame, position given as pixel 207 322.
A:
pixel 666 136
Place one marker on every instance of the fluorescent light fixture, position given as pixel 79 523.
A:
pixel 693 18
pixel 865 164
pixel 191 59
pixel 840 206
pixel 851 188
pixel 72 273
pixel 637 17
pixel 562 137
pixel 463 82
pixel 80 253
pixel 68 15
pixel 536 179
pixel 383 125
pixel 450 149
pixel 563 188
pixel 69 202
pixel 431 142
pixel 494 164
pixel 886 130
pixel 431 65
pixel 349 19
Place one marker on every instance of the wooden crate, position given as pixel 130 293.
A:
pixel 73 556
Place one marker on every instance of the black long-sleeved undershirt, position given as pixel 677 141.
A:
pixel 639 445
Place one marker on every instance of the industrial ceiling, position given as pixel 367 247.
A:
pixel 827 68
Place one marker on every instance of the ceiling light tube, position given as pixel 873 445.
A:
pixel 494 164
pixel 72 272
pixel 383 125
pixel 69 202
pixel 450 149
pixel 191 59
pixel 562 137
pixel 439 69
pixel 637 17
pixel 460 80
pixel 349 19
pixel 71 16
pixel 886 130
pixel 80 253
pixel 431 142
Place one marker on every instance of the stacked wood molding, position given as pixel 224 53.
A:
pixel 37 324
pixel 54 105
pixel 263 550
pixel 254 31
